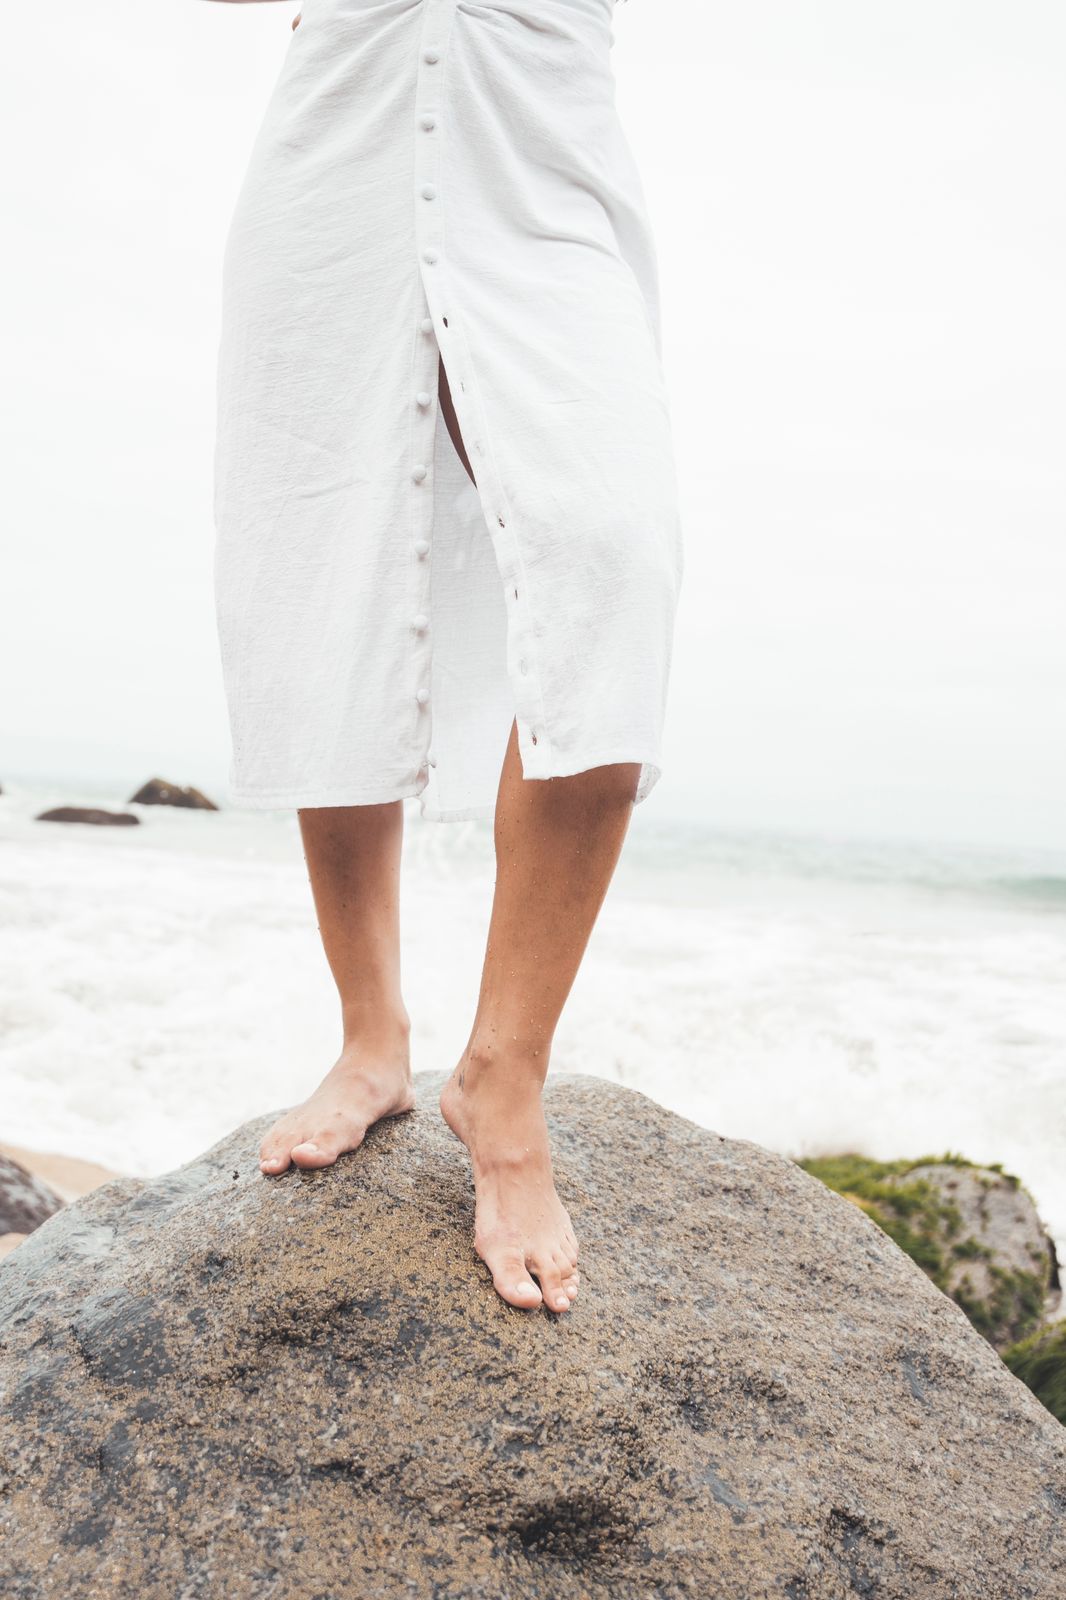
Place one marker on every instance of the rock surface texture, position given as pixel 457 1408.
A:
pixel 221 1385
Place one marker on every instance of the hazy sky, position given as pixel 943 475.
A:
pixel 861 222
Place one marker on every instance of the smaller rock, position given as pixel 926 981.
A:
pixel 974 1231
pixel 1000 1262
pixel 67 1176
pixel 25 1202
pixel 124 819
pixel 158 792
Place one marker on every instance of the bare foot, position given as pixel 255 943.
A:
pixel 364 1085
pixel 521 1228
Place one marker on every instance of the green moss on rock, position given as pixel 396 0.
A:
pixel 1040 1362
pixel 1016 1295
pixel 973 1229
pixel 915 1215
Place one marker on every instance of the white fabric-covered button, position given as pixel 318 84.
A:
pixel 428 192
pixel 431 55
pixel 418 473
pixel 422 696
pixel 429 255
pixel 420 623
pixel 428 121
pixel 421 547
pixel 426 324
pixel 423 397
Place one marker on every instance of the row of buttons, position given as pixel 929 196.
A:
pixel 423 398
pixel 431 256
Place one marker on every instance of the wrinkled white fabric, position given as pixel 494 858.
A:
pixel 442 176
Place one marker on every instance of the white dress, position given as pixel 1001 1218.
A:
pixel 442 179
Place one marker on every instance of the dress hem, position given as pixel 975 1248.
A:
pixel 309 800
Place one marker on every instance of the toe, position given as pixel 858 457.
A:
pixel 551 1285
pixel 273 1154
pixel 510 1279
pixel 321 1151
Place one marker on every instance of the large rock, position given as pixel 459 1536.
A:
pixel 158 792
pixel 221 1385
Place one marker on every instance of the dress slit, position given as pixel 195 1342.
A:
pixel 451 421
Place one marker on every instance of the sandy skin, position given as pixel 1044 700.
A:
pixel 557 844
pixel 362 1087
pixel 522 1230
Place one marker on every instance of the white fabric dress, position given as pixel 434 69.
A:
pixel 442 179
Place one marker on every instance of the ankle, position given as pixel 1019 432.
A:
pixel 378 1028
pixel 515 1071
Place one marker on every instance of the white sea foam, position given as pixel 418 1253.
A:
pixel 163 983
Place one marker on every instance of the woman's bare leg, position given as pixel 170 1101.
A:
pixel 353 858
pixel 557 844
pixel 451 421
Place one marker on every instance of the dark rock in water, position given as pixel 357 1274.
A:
pixel 124 819
pixel 25 1202
pixel 157 792
pixel 222 1386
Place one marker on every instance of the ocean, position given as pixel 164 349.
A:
pixel 162 984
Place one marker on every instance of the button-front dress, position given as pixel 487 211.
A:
pixel 442 181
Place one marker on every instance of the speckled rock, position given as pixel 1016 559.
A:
pixel 220 1385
